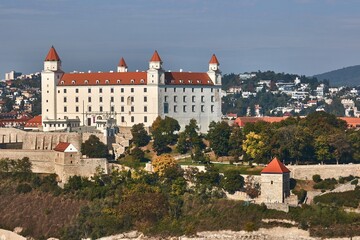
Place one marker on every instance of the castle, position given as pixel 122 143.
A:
pixel 122 98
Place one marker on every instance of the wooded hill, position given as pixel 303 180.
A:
pixel 348 76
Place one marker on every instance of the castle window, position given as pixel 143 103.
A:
pixel 145 118
pixel 89 99
pixel 271 182
pixel 212 108
pixel 62 82
pixel 202 108
pixel 89 108
pixel 184 108
pixel 174 89
pixel 122 90
pixel 112 109
pixel 209 81
pixel 122 119
pixel 166 99
pixel 175 98
pixel 76 109
pixel 76 99
pixel 122 109
pixel 100 90
pixel 97 81
pixel 212 90
pixel 165 89
pixel 175 108
pixel 212 98
pixel 65 99
pixel 118 81
pixel 132 119
pixel 132 90
pixel 202 98
pixel 89 90
pixel 193 98
pixel 192 90
pixel 142 81
pixel 132 81
pixel 76 90
pixel 184 99
pixel 112 99
pixel 198 81
pixel 58 90
pixel 181 81
pixel 122 99
pixel 65 90
pixel 86 81
pixel 145 89
pixel 202 89
pixel 101 108
pixel 112 90
pixel 145 99
pixel 65 109
pixel 166 108
pixel 145 108
pixel 106 81
pixel 193 108
pixel 132 99
pixel 132 108
pixel 100 99
pixel 183 89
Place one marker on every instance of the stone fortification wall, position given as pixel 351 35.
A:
pixel 38 140
pixel 305 172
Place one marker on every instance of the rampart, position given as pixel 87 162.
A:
pixel 305 172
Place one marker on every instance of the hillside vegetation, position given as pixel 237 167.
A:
pixel 348 76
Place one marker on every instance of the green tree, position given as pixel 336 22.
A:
pixel 218 136
pixel 235 143
pixel 164 133
pixel 94 148
pixel 354 140
pixel 322 149
pixel 137 153
pixel 140 136
pixel 340 146
pixel 182 144
pixel 232 181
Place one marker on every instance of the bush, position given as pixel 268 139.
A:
pixel 316 178
pixel 355 182
pixel 301 194
pixel 23 188
pixel 328 183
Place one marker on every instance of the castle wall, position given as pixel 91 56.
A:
pixel 305 172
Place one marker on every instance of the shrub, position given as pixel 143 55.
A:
pixel 328 183
pixel 355 182
pixel 316 178
pixel 23 188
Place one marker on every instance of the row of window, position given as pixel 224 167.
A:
pixel 192 89
pixel 122 99
pixel 101 109
pixel 193 98
pixel 101 90
pixel 185 108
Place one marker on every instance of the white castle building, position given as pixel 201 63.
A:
pixel 126 98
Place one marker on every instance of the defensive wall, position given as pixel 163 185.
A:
pixel 305 172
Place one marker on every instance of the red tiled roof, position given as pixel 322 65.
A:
pixel 34 122
pixel 61 147
pixel 122 63
pixel 241 121
pixel 186 78
pixel 214 60
pixel 275 166
pixel 52 55
pixel 139 78
pixel 351 121
pixel 155 57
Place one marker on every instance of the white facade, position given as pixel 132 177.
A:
pixel 128 98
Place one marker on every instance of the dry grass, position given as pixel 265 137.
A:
pixel 39 214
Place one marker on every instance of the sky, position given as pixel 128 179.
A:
pixel 303 37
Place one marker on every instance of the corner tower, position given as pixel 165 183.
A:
pixel 214 70
pixel 50 76
pixel 155 74
pixel 122 67
pixel 275 182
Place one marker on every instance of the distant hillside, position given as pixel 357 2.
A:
pixel 349 76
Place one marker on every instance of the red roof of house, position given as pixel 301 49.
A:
pixel 132 78
pixel 52 55
pixel 122 63
pixel 214 60
pixel 34 122
pixel 352 121
pixel 275 166
pixel 61 147
pixel 155 57
pixel 125 78
pixel 186 78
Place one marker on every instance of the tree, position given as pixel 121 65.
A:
pixel 160 144
pixel 164 134
pixel 191 132
pixel 253 145
pixel 163 162
pixel 340 146
pixel 182 144
pixel 140 136
pixel 218 135
pixel 322 149
pixel 232 181
pixel 235 143
pixel 354 140
pixel 137 153
pixel 94 148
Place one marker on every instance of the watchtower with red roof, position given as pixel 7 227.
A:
pixel 214 70
pixel 275 182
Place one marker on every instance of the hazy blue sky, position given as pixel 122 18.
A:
pixel 295 36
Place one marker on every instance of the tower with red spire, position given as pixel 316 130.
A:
pixel 50 76
pixel 155 73
pixel 214 70
pixel 122 67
